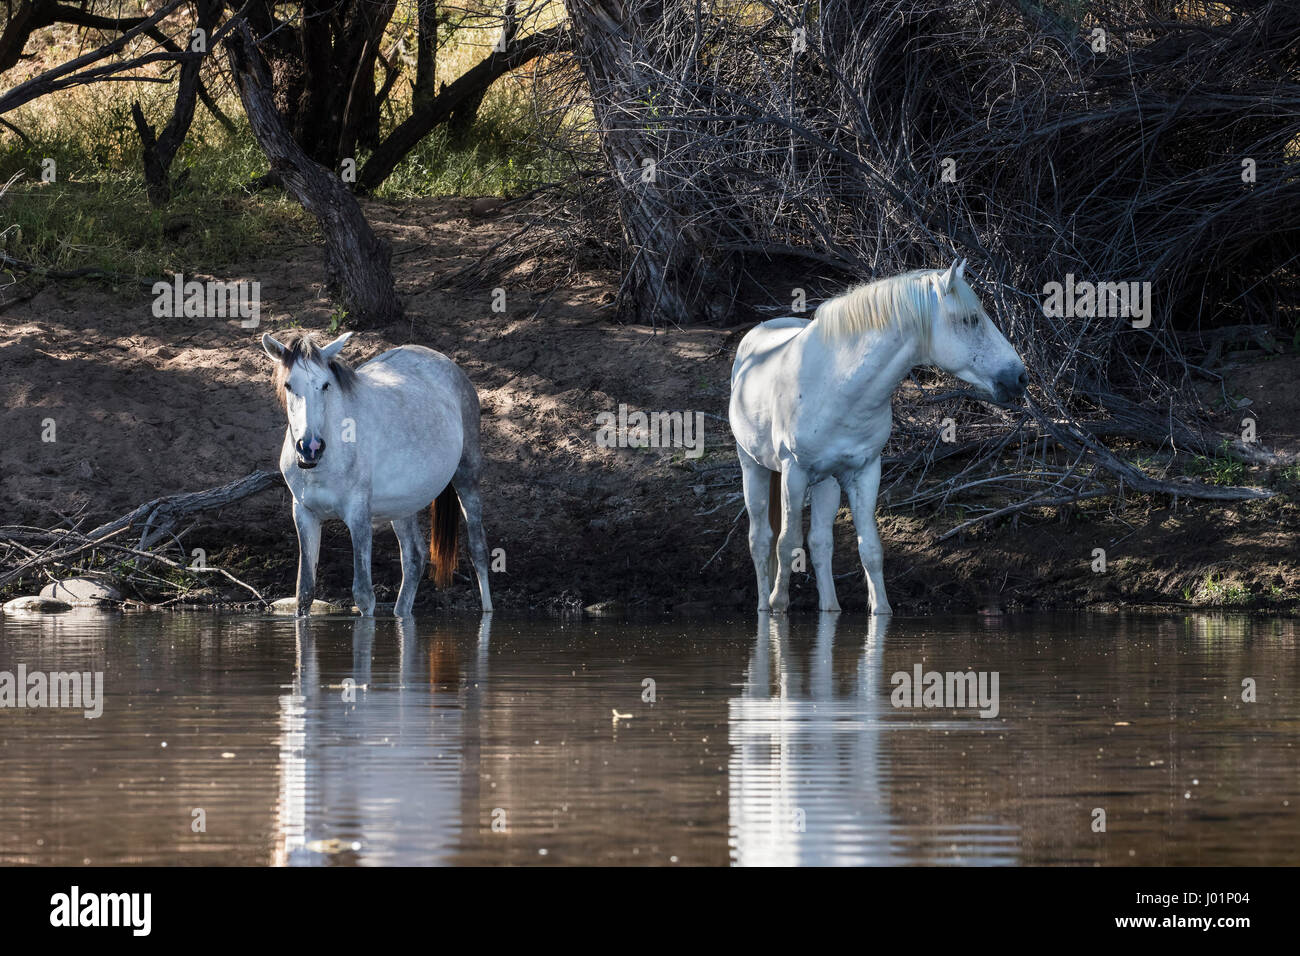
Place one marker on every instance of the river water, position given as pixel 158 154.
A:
pixel 1117 739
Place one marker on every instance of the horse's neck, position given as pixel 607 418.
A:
pixel 871 366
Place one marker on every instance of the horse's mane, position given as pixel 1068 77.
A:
pixel 301 347
pixel 896 302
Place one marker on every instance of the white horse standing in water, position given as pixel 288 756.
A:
pixel 810 410
pixel 380 443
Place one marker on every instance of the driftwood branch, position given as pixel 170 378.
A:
pixel 157 519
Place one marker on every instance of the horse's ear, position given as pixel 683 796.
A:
pixel 272 347
pixel 961 270
pixel 949 281
pixel 331 351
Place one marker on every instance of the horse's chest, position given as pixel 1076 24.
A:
pixel 830 447
pixel 322 499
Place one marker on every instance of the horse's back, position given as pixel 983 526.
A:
pixel 408 361
pixel 765 338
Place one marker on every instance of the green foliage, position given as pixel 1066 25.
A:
pixel 96 214
pixel 1224 593
pixel 111 225
pixel 499 155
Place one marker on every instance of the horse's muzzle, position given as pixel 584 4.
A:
pixel 310 451
pixel 1011 385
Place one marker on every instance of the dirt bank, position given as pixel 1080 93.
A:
pixel 144 407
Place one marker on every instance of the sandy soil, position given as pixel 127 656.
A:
pixel 145 407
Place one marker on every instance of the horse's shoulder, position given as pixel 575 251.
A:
pixel 784 322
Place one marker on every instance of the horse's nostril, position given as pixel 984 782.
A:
pixel 310 450
pixel 1023 380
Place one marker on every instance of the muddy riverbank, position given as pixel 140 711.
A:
pixel 145 407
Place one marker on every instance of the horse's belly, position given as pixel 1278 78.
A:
pixel 396 493
pixel 394 506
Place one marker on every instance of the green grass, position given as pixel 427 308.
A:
pixel 112 226
pixel 1225 594
pixel 1222 469
pixel 96 214
pixel 499 155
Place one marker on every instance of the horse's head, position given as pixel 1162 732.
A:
pixel 310 381
pixel 965 342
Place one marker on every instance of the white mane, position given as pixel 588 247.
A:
pixel 900 301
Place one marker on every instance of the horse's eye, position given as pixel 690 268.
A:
pixel 288 387
pixel 325 386
pixel 972 320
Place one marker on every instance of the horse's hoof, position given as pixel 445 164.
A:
pixel 883 610
pixel 833 609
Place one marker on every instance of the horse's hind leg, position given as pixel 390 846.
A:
pixel 411 540
pixel 794 485
pixel 821 540
pixel 471 506
pixel 756 481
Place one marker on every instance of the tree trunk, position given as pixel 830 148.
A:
pixel 160 151
pixel 669 278
pixel 469 86
pixel 426 54
pixel 356 260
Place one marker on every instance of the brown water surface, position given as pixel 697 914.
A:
pixel 255 740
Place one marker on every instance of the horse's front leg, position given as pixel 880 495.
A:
pixel 794 483
pixel 308 526
pixel 862 489
pixel 821 540
pixel 363 591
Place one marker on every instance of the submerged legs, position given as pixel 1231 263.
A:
pixel 411 540
pixel 862 489
pixel 308 526
pixel 756 480
pixel 821 540
pixel 471 506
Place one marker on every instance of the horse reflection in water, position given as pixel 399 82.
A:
pixel 372 773
pixel 823 771
pixel 805 768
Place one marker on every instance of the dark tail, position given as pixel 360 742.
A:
pixel 445 512
pixel 774 502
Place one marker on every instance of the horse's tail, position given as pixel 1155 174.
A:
pixel 774 502
pixel 445 512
